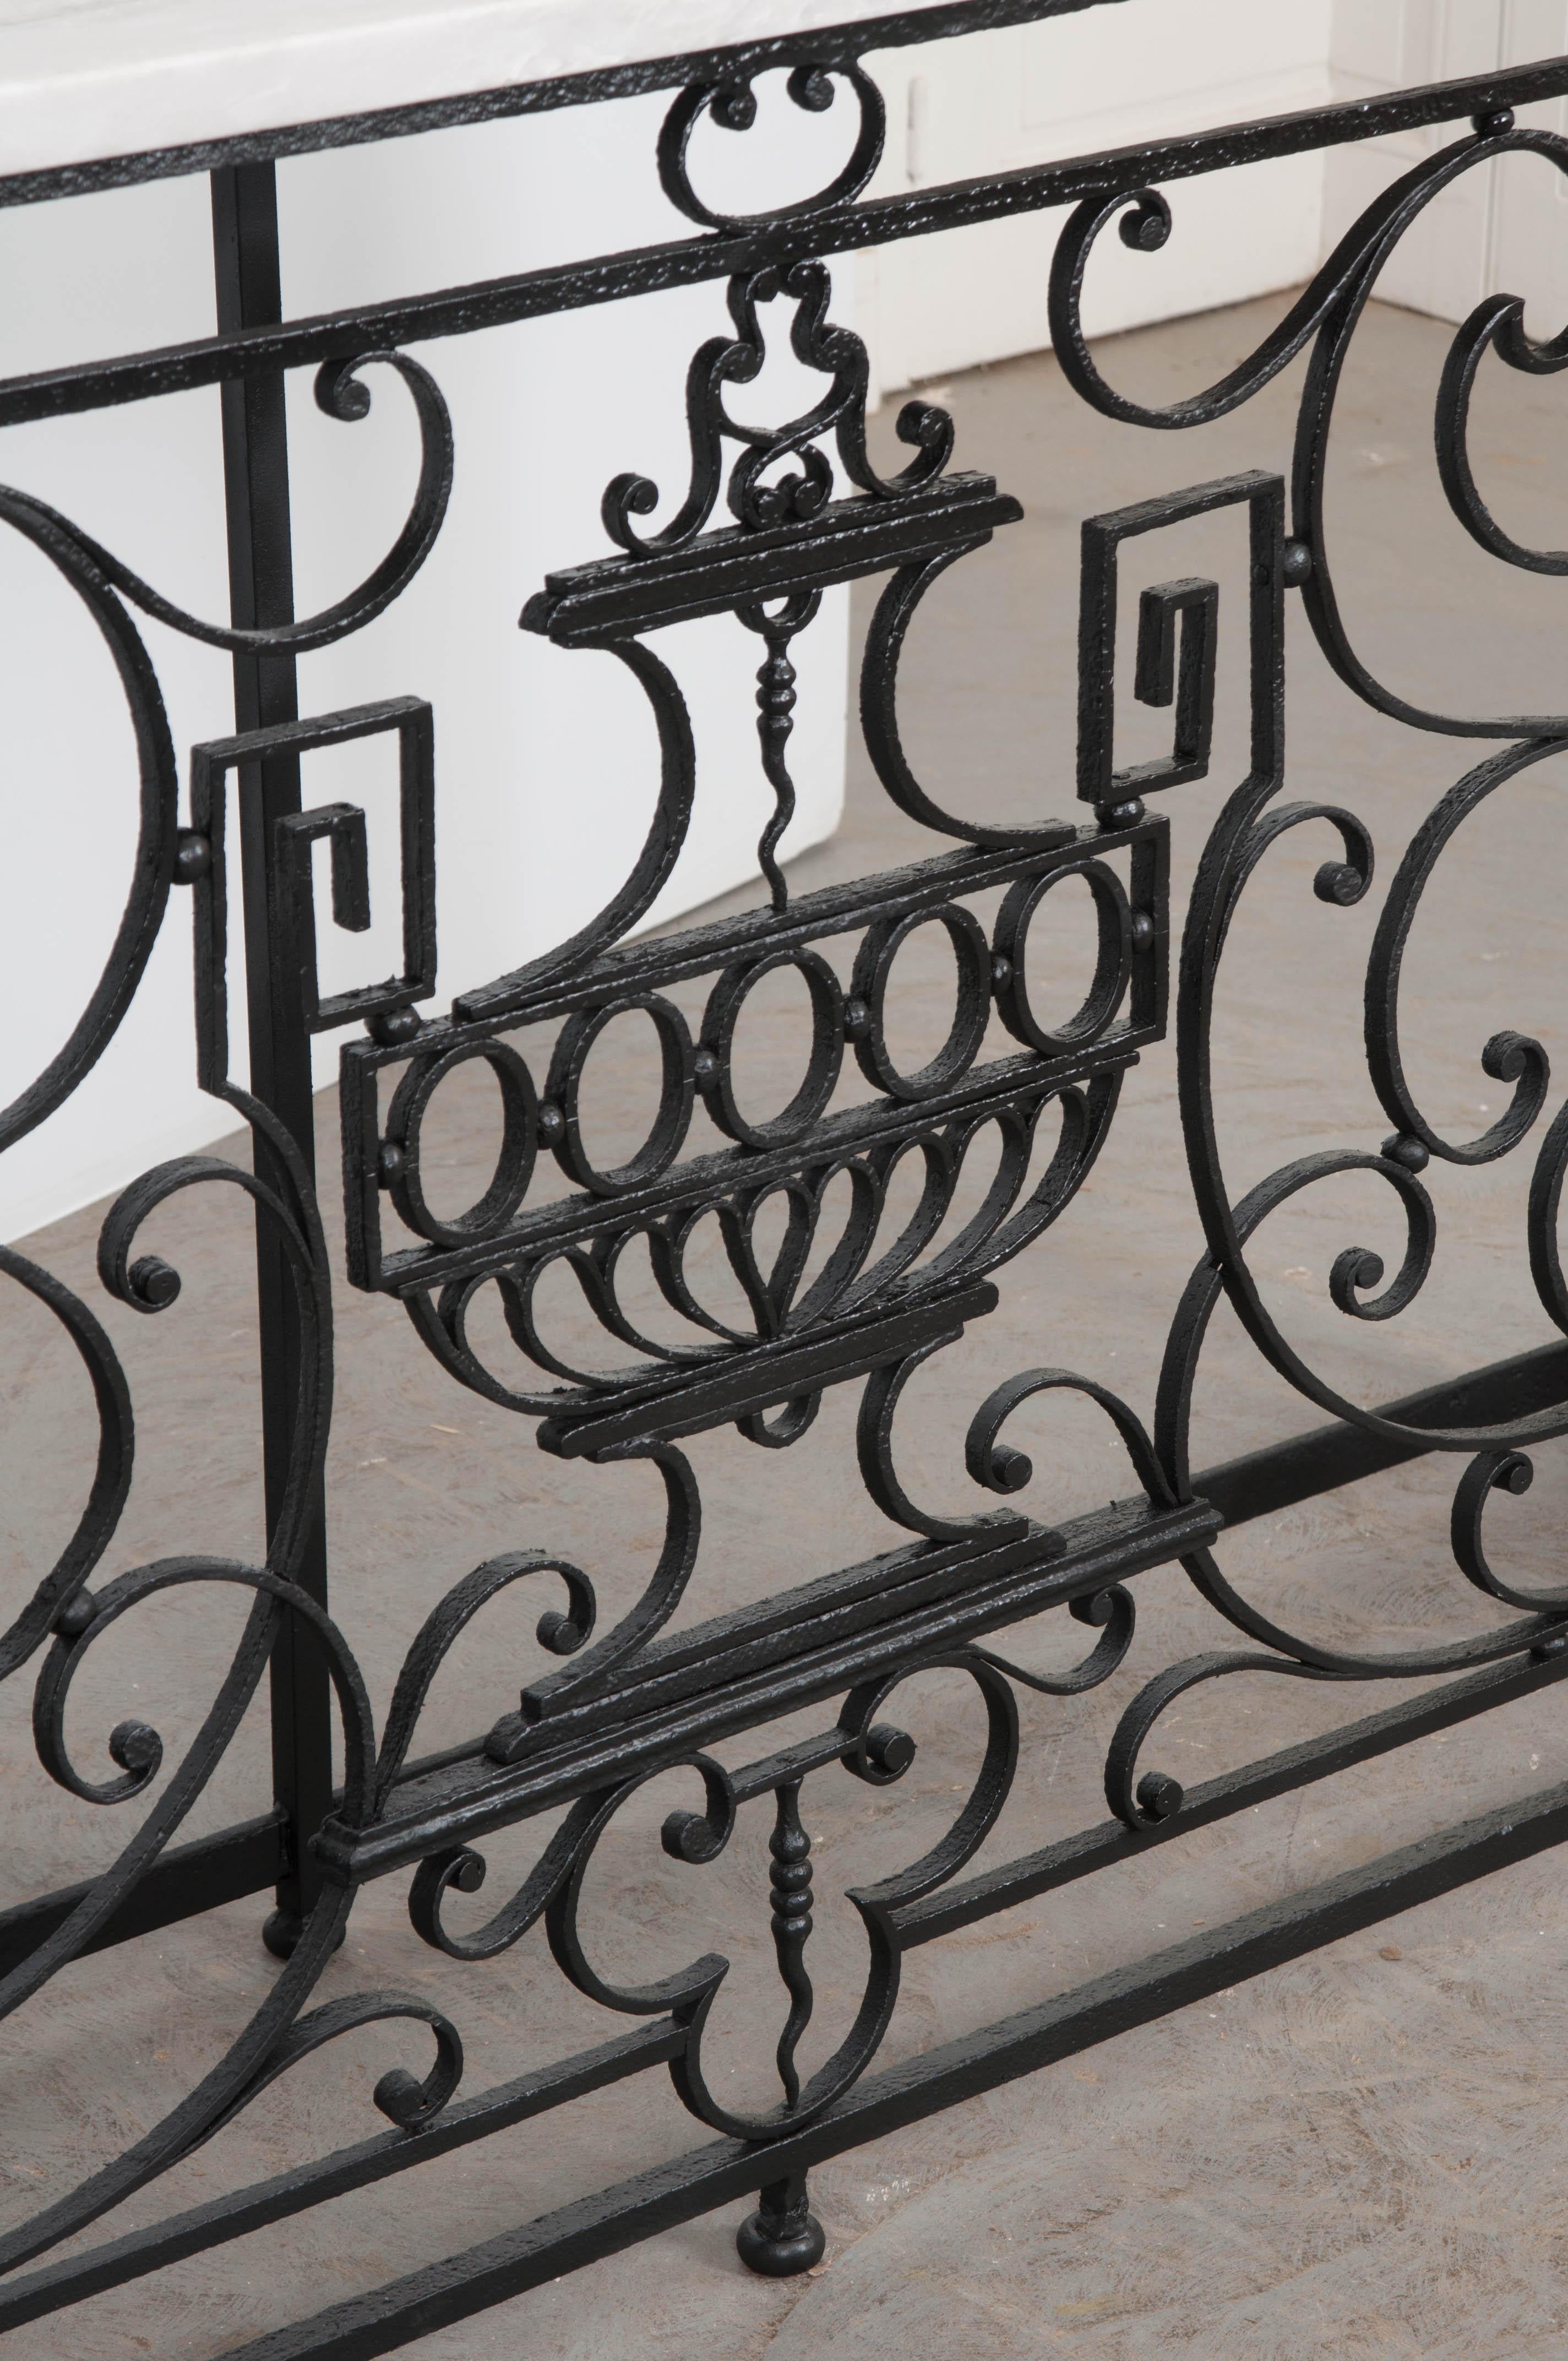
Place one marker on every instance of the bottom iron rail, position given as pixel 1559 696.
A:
pixel 726 2171
pixel 184 1881
pixel 1281 1474
pixel 1076 2020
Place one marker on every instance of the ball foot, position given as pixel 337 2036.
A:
pixel 282 1931
pixel 783 2238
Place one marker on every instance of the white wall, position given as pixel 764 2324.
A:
pixel 546 761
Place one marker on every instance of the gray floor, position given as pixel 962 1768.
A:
pixel 1358 2154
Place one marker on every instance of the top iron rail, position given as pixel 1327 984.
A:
pixel 685 262
pixel 829 44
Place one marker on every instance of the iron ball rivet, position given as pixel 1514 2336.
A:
pixel 1125 814
pixel 390 1162
pixel 1000 971
pixel 705 1068
pixel 1541 1653
pixel 1295 564
pixel 392 1027
pixel 1494 126
pixel 857 1019
pixel 552 1123
pixel 192 856
pixel 1142 930
pixel 77 1613
pixel 1413 1154
pixel 281 1932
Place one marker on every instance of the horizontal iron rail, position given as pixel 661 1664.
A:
pixel 687 262
pixel 899 30
pixel 688 1402
pixel 1235 1791
pixel 243 2211
pixel 189 1878
pixel 604 1741
pixel 442 2293
pixel 1283 1473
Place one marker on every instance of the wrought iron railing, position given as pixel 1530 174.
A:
pixel 640 1699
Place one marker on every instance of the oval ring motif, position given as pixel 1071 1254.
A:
pixel 719 1020
pixel 972 1009
pixel 514 1160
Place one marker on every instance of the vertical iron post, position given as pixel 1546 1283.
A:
pixel 262 593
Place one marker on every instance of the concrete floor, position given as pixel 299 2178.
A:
pixel 1358 2154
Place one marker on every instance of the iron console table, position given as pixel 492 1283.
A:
pixel 634 1702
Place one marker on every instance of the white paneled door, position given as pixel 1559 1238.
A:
pixel 1529 206
pixel 1114 76
pixel 1111 77
pixel 1505 227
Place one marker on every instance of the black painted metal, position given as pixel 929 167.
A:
pixel 622 1705
pixel 261 594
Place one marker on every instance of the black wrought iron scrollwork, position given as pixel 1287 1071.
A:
pixel 1495 325
pixel 1507 1057
pixel 755 501
pixel 693 1992
pixel 341 394
pixel 232 2082
pixel 1145 1802
pixel 152 867
pixel 1329 310
pixel 55 1603
pixel 402 2098
pixel 737 1263
pixel 733 107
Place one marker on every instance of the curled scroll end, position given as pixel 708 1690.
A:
pixel 1342 883
pixel 878 1753
pixel 1357 1269
pixel 1159 1798
pixel 733 106
pixel 809 88
pixel 1489 1472
pixel 341 392
pixel 407 2102
pixel 151 1284
pixel 700 1836
pixel 928 429
pixel 1005 1469
pixel 139 1750
pixel 559 1633
pixel 1511 1057
pixel 690 1836
pixel 461 1870
pixel 1145 225
pixel 627 496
